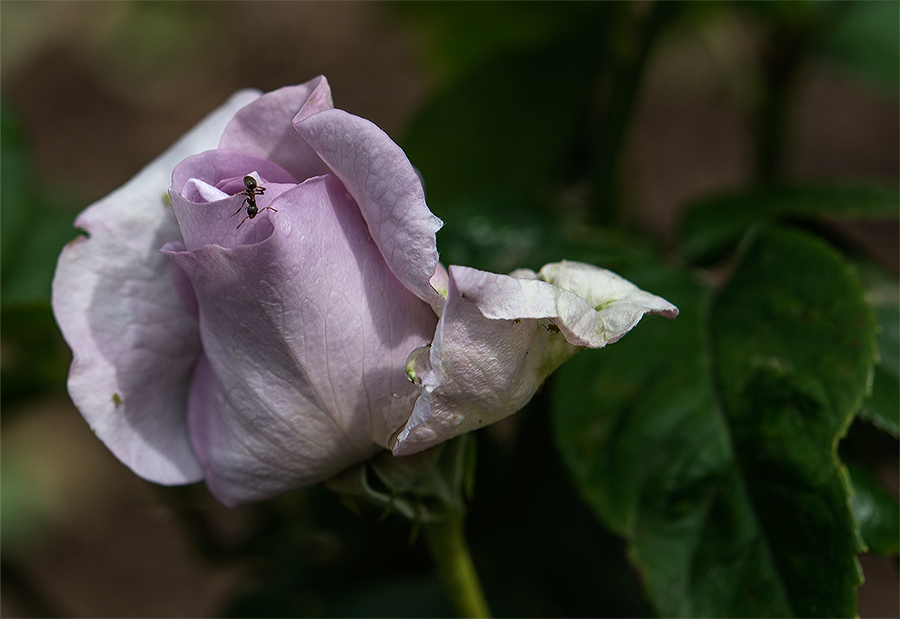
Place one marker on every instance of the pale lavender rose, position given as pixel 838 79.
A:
pixel 265 339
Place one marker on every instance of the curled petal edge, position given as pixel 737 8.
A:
pixel 263 129
pixel 378 175
pixel 500 336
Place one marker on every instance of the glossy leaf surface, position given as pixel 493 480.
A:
pixel 882 407
pixel 876 510
pixel 716 460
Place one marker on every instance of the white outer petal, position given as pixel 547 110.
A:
pixel 499 337
pixel 118 309
pixel 592 306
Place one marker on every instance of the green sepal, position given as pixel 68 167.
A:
pixel 423 487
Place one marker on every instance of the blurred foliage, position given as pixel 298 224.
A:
pixel 507 127
pixel 688 470
pixel 502 234
pixel 530 121
pixel 712 227
pixel 867 42
pixel 492 29
pixel 33 231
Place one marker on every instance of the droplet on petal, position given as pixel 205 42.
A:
pixel 416 363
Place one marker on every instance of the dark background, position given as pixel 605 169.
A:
pixel 99 89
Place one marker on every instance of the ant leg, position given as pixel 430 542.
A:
pixel 269 208
pixel 242 221
pixel 243 204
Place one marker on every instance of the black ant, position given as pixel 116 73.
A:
pixel 252 190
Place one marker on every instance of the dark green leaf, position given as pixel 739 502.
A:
pixel 725 509
pixel 882 407
pixel 638 427
pixel 794 347
pixel 876 510
pixel 713 227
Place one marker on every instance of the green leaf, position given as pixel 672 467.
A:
pixel 30 270
pixel 882 408
pixel 720 471
pixel 713 227
pixel 794 347
pixel 638 427
pixel 876 510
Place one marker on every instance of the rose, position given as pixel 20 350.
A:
pixel 270 353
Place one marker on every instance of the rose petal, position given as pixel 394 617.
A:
pixel 212 166
pixel 381 179
pixel 499 337
pixel 133 342
pixel 217 222
pixel 307 353
pixel 619 303
pixel 592 306
pixel 440 281
pixel 263 128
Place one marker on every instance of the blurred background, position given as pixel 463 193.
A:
pixel 515 102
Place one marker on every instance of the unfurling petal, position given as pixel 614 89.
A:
pixel 305 335
pixel 263 129
pixel 383 182
pixel 134 343
pixel 197 179
pixel 499 337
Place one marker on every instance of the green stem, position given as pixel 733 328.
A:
pixel 628 70
pixel 450 553
pixel 782 59
pixel 786 47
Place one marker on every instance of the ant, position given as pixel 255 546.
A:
pixel 252 190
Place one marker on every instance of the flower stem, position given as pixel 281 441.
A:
pixel 628 65
pixel 450 553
